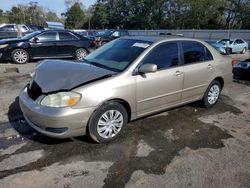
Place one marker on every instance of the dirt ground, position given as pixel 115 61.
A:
pixel 184 147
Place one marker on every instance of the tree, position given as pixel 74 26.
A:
pixel 3 18
pixel 99 15
pixel 52 16
pixel 75 16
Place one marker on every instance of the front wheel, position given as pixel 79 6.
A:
pixel 107 122
pixel 212 94
pixel 228 51
pixel 80 54
pixel 20 56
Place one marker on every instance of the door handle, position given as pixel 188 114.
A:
pixel 178 73
pixel 210 66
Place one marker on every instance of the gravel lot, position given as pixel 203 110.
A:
pixel 183 147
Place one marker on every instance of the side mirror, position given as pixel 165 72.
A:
pixel 147 68
pixel 36 40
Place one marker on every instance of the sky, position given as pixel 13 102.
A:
pixel 55 5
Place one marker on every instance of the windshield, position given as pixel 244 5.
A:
pixel 225 41
pixel 30 35
pixel 117 55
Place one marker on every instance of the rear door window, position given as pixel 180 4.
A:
pixel 194 52
pixel 239 41
pixel 66 36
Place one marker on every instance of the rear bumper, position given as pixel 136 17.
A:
pixel 54 122
pixel 240 73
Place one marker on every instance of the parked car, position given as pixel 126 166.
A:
pixel 126 79
pixel 228 46
pixel 35 27
pixel 109 35
pixel 84 33
pixel 10 30
pixel 242 70
pixel 46 44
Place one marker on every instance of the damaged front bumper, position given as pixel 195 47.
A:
pixel 54 122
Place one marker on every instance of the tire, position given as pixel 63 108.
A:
pixel 244 50
pixel 212 94
pixel 103 131
pixel 228 51
pixel 80 54
pixel 103 43
pixel 20 56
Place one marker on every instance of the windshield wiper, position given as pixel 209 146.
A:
pixel 100 65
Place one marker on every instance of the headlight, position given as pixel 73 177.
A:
pixel 4 45
pixel 61 99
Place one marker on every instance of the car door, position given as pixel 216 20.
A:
pixel 44 45
pixel 198 70
pixel 162 89
pixel 237 46
pixel 241 45
pixel 67 44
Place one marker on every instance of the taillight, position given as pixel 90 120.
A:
pixel 94 42
pixel 234 62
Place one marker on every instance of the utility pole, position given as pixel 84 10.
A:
pixel 89 23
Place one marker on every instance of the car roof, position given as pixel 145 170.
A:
pixel 155 39
pixel 56 30
pixel 232 39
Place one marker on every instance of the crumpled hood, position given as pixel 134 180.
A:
pixel 217 45
pixel 55 75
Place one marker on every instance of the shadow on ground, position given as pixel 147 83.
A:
pixel 167 134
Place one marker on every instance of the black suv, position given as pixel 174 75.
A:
pixel 106 36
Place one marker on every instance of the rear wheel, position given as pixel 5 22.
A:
pixel 80 54
pixel 107 122
pixel 20 56
pixel 244 50
pixel 103 43
pixel 212 94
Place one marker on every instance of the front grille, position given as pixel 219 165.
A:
pixel 34 90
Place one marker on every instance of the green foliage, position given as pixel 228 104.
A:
pixel 100 18
pixel 171 14
pixel 31 13
pixel 75 17
pixel 139 14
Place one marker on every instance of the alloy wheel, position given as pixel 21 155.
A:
pixel 81 54
pixel 110 124
pixel 20 56
pixel 213 94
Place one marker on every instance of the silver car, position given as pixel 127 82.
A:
pixel 126 79
pixel 228 46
